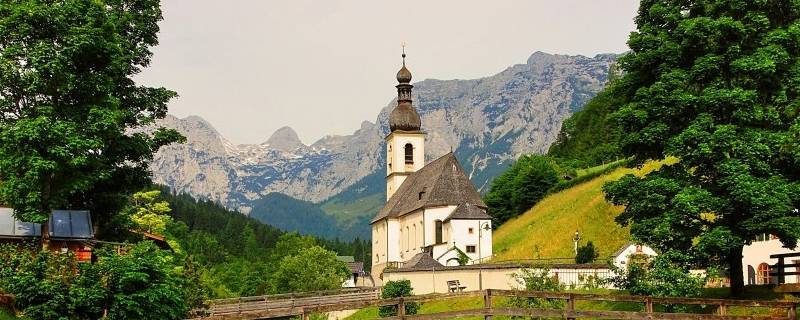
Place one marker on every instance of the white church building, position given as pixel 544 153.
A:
pixel 432 209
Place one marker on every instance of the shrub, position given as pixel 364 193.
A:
pixel 397 289
pixel 666 275
pixel 311 269
pixel 587 253
pixel 537 279
pixel 144 283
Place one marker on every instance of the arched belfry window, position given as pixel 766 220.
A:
pixel 438 231
pixel 409 151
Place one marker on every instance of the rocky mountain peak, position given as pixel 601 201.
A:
pixel 488 123
pixel 285 139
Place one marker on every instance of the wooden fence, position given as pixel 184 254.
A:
pixel 779 269
pixel 280 305
pixel 304 306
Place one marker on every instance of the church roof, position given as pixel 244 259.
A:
pixel 404 117
pixel 422 261
pixel 468 211
pixel 439 183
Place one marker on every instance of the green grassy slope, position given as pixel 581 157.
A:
pixel 546 230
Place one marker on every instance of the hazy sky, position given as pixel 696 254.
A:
pixel 322 67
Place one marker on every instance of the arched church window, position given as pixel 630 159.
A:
pixel 389 157
pixel 409 152
pixel 438 231
pixel 401 239
pixel 415 237
pixel 408 237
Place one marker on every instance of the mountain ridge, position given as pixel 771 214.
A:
pixel 488 122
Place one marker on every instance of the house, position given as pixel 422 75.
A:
pixel 756 260
pixel 431 208
pixel 357 278
pixel 68 230
pixel 621 258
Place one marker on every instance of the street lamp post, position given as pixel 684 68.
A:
pixel 484 226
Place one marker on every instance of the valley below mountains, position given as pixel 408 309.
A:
pixel 332 187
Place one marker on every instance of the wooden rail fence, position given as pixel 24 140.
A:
pixel 780 269
pixel 264 308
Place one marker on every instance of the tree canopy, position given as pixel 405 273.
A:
pixel 72 120
pixel 521 186
pixel 714 84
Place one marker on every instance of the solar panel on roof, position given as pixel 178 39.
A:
pixel 71 224
pixel 10 226
pixel 6 222
pixel 28 229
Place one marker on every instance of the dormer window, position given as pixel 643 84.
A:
pixel 409 153
pixel 422 193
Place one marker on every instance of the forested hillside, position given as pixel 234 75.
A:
pixel 239 255
pixel 588 137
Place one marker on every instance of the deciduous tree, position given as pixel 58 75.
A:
pixel 715 84
pixel 72 119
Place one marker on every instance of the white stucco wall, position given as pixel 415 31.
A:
pixel 481 239
pixel 488 277
pixel 621 260
pixel 379 242
pixel 758 252
pixel 393 240
pixel 431 215
pixel 395 157
pixel 411 227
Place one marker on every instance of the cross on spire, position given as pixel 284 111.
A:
pixel 403 45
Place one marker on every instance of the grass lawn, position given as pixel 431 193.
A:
pixel 546 230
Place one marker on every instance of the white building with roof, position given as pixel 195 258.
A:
pixel 621 258
pixel 432 209
pixel 757 263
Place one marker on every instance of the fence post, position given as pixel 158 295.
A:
pixel 570 306
pixel 648 307
pixel 239 306
pixel 723 309
pixel 781 276
pixel 306 315
pixel 487 304
pixel 793 312
pixel 401 309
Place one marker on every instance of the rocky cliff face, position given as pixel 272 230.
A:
pixel 488 122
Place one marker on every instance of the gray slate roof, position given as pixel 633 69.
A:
pixel 422 261
pixel 443 182
pixel 356 267
pixel 468 211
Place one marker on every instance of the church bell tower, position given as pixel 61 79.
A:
pixel 405 144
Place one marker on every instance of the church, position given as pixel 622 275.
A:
pixel 433 213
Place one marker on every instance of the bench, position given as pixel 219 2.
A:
pixel 455 286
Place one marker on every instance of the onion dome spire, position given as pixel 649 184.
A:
pixel 404 117
pixel 404 76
